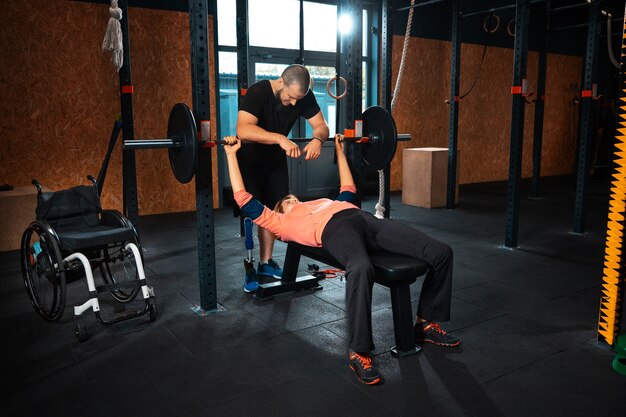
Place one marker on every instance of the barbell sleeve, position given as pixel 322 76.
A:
pixel 404 136
pixel 151 144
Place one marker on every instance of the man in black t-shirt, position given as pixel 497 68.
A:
pixel 267 113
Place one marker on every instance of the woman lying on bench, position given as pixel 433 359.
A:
pixel 348 233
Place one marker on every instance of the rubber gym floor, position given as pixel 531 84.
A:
pixel 527 320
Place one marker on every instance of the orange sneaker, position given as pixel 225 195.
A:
pixel 361 364
pixel 431 332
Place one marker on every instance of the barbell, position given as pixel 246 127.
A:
pixel 378 142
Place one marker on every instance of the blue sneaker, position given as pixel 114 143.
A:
pixel 251 282
pixel 270 269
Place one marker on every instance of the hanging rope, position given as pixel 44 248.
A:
pixel 113 36
pixel 405 48
pixel 608 40
pixel 380 205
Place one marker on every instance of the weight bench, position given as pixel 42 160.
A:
pixel 396 272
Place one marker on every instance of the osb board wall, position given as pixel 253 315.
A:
pixel 60 98
pixel 485 114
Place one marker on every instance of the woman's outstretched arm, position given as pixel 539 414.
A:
pixel 251 207
pixel 236 181
pixel 345 175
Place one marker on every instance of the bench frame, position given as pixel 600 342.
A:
pixel 400 290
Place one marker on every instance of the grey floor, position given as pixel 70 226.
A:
pixel 527 318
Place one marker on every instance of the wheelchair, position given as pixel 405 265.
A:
pixel 71 237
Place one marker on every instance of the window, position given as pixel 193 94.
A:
pixel 320 76
pixel 227 26
pixel 228 92
pixel 275 26
pixel 274 42
pixel 320 27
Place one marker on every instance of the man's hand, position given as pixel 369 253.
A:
pixel 291 149
pixel 233 145
pixel 313 149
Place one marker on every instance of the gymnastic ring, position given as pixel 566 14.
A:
pixel 345 86
pixel 486 21
pixel 509 30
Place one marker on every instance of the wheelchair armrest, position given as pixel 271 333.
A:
pixel 114 218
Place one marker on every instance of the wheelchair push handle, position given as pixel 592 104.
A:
pixel 36 184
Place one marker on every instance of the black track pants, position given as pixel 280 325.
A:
pixel 351 234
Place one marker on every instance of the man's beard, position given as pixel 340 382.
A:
pixel 280 107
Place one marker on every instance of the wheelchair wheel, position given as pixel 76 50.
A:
pixel 80 329
pixel 120 266
pixel 42 270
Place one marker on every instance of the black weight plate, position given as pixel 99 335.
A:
pixel 181 128
pixel 378 122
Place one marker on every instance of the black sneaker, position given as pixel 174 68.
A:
pixel 431 332
pixel 363 369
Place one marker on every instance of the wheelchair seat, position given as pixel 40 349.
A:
pixel 93 237
pixel 71 236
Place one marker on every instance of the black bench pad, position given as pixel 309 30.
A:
pixel 391 268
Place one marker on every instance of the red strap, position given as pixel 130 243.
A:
pixel 128 89
pixel 586 93
pixel 516 89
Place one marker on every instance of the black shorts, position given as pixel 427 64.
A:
pixel 264 171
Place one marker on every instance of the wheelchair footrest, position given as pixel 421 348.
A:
pixel 121 316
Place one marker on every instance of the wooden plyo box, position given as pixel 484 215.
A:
pixel 17 210
pixel 425 177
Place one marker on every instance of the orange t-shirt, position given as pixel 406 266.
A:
pixel 305 222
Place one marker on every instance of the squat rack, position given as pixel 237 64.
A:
pixel 200 80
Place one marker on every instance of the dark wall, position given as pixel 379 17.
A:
pixel 433 22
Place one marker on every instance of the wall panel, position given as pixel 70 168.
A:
pixel 60 98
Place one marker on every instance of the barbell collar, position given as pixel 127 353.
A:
pixel 132 144
pixel 404 137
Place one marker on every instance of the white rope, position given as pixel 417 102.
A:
pixel 380 206
pixel 405 48
pixel 608 40
pixel 113 36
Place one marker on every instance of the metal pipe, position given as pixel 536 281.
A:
pixel 581 25
pixel 426 3
pixel 151 144
pixel 571 6
pixel 495 9
pixel 364 139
